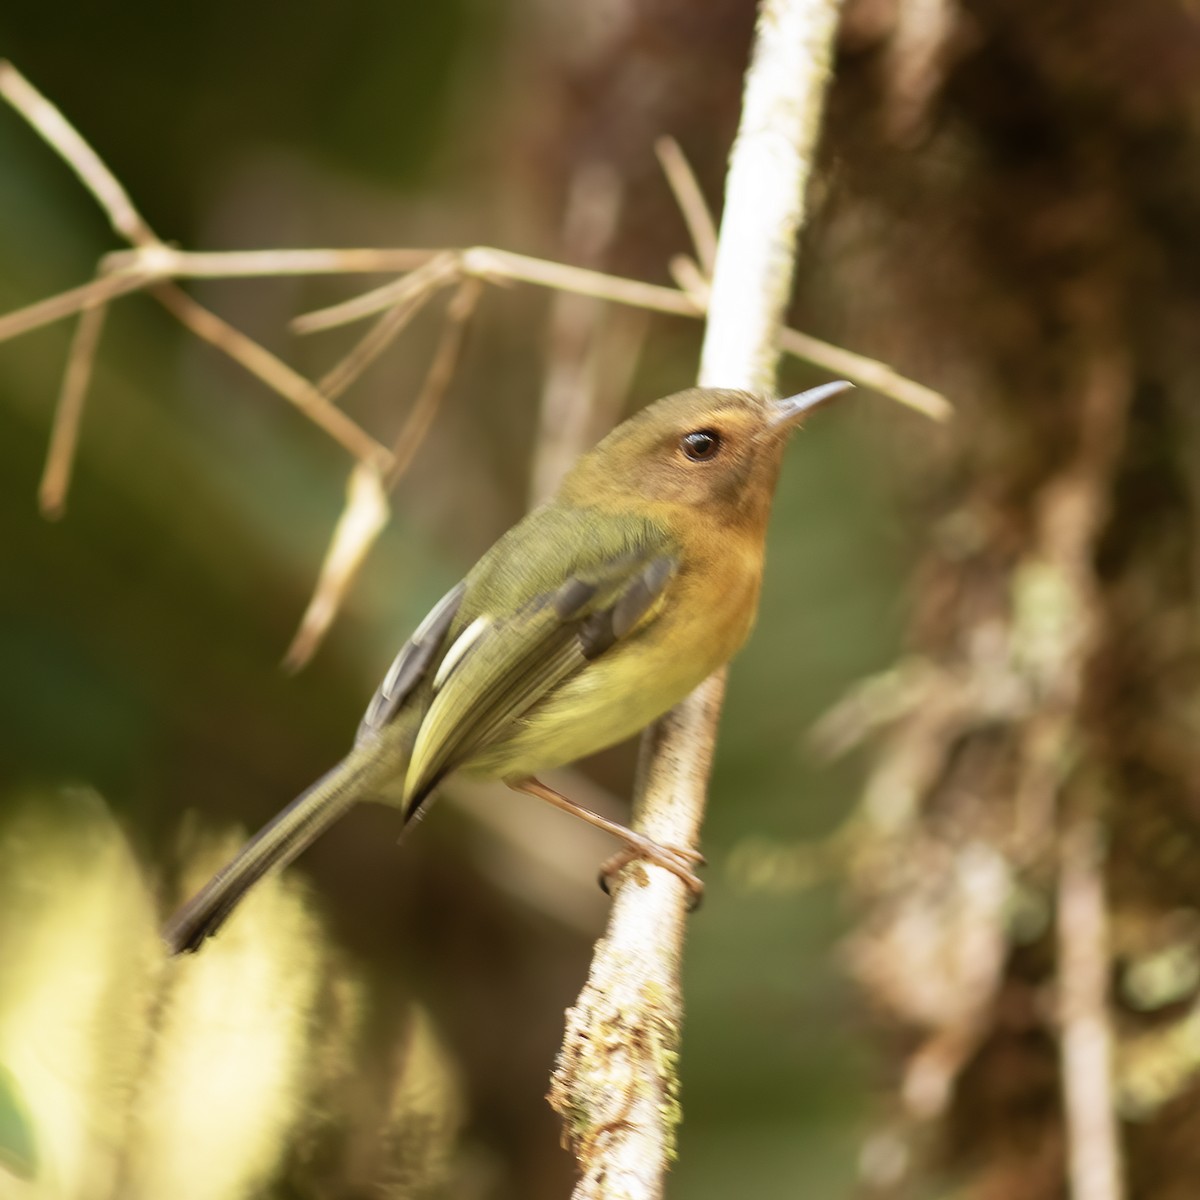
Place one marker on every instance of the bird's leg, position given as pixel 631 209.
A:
pixel 676 860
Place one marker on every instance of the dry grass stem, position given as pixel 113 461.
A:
pixel 867 372
pixel 442 269
pixel 274 372
pixel 366 511
pixel 363 518
pixel 64 435
pixel 68 303
pixel 150 259
pixel 152 264
pixel 689 278
pixel 504 264
pixel 411 295
pixel 487 263
pixel 248 264
pixel 129 223
pixel 681 301
pixel 437 379
pixel 686 189
pixel 58 132
pixel 338 379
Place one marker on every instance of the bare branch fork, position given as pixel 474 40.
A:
pixel 615 1082
pixel 151 265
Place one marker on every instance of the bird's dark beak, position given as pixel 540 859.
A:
pixel 786 413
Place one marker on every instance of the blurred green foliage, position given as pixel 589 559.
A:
pixel 140 636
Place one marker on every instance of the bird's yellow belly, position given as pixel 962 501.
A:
pixel 624 690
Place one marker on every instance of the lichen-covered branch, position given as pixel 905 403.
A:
pixel 615 1083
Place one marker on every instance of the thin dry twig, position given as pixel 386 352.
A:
pixel 486 262
pixel 504 264
pixel 689 277
pixel 387 328
pixel 615 1082
pixel 868 372
pixel 151 265
pixel 366 511
pixel 274 372
pixel 68 303
pixel 688 300
pixel 411 295
pixel 363 518
pixel 68 413
pixel 150 260
pixel 686 189
pixel 58 132
pixel 126 221
pixel 108 192
pixel 437 379
pixel 161 261
pixel 246 264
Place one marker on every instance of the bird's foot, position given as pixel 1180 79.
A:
pixel 677 859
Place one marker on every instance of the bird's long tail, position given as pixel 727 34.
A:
pixel 275 845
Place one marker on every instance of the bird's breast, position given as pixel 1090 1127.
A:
pixel 706 617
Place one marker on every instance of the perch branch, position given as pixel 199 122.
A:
pixel 615 1082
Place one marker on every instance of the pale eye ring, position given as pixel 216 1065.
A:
pixel 701 444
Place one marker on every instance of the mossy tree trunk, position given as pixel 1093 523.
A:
pixel 1012 218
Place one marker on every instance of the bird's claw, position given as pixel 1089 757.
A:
pixel 677 859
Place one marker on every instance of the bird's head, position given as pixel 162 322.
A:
pixel 709 449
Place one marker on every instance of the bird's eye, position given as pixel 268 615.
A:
pixel 701 444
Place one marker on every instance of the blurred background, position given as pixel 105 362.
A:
pixel 142 697
pixel 1005 210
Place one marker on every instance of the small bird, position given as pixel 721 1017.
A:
pixel 586 621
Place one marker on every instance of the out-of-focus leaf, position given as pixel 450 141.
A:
pixel 18 1147
pixel 131 1076
pixel 77 926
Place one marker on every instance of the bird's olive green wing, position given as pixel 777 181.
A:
pixel 501 665
pixel 410 665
